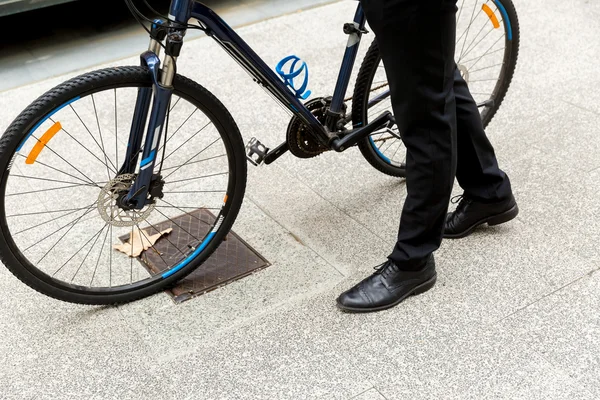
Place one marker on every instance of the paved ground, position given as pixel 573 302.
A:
pixel 515 311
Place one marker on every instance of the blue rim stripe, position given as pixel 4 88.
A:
pixel 148 159
pixel 191 257
pixel 505 17
pixel 379 153
pixel 45 119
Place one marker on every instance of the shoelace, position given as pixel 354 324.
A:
pixel 385 268
pixel 461 200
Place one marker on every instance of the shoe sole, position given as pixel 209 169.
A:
pixel 491 221
pixel 422 288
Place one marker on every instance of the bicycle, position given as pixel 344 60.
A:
pixel 60 163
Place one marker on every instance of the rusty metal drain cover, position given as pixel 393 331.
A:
pixel 233 259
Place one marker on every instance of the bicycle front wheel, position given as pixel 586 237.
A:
pixel 60 217
pixel 487 44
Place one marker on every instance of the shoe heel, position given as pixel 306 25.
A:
pixel 504 217
pixel 425 286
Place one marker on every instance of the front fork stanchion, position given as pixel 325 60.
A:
pixel 162 89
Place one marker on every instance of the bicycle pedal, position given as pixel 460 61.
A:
pixel 256 151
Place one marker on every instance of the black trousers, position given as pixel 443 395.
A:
pixel 437 117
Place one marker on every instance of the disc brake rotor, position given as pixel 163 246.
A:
pixel 108 203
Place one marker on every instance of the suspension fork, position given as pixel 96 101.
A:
pixel 160 96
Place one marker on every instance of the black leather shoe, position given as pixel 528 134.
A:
pixel 387 287
pixel 470 213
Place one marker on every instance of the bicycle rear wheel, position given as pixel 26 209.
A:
pixel 59 217
pixel 487 45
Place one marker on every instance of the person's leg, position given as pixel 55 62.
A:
pixel 477 169
pixel 416 39
pixel 487 196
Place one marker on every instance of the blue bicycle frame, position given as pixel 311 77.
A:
pixel 180 12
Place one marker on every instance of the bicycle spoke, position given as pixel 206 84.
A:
pixel 483 80
pixel 131 257
pixel 88 253
pixel 390 145
pixel 151 245
pixel 197 177
pixel 187 140
pixel 68 163
pixel 178 99
pixel 55 169
pixel 396 152
pixel 380 105
pixel 468 29
pixel 91 135
pixel 194 162
pixel 47 190
pixel 484 68
pixel 185 212
pixel 479 59
pixel 52 180
pixel 188 208
pixel 99 256
pixel 177 130
pixel 485 23
pixel 175 223
pixel 191 158
pixel 83 146
pixel 50 220
pixel 116 130
pixel 45 212
pixel 77 252
pixel 482 39
pixel 101 140
pixel 165 237
pixel 199 191
pixel 460 10
pixel 61 238
pixel 110 258
pixel 382 143
pixel 59 229
pixel 484 55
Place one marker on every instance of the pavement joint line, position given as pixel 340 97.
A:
pixel 589 273
pixel 213 337
pixel 381 394
pixel 363 392
pixel 580 107
pixel 136 53
pixel 336 207
pixel 294 236
pixel 593 170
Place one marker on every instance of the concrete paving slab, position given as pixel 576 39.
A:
pixel 371 394
pixel 60 350
pixel 563 328
pixel 270 358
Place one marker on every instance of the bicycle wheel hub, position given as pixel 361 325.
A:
pixel 109 203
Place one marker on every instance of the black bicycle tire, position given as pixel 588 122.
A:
pixel 93 82
pixel 368 69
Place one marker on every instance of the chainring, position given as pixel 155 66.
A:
pixel 300 142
